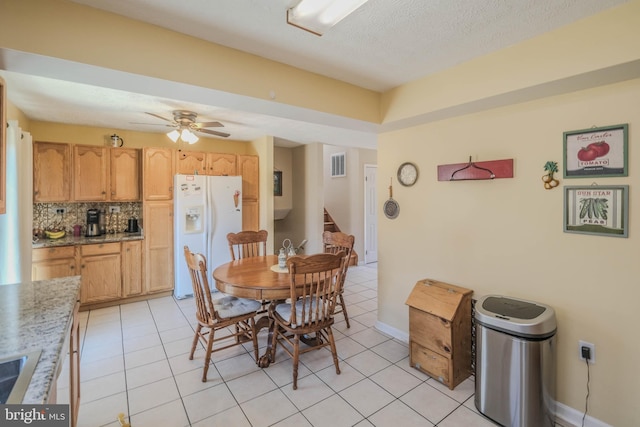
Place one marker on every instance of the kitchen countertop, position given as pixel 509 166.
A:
pixel 37 316
pixel 70 240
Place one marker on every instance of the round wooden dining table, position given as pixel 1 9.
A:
pixel 254 278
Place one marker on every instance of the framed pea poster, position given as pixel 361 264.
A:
pixel 597 209
pixel 596 152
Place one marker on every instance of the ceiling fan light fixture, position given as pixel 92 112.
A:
pixel 189 136
pixel 318 16
pixel 173 135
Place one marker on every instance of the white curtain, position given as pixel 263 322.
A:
pixel 16 224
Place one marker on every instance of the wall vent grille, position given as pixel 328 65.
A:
pixel 338 165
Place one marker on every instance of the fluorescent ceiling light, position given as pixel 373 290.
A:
pixel 317 16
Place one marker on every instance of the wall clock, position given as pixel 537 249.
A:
pixel 407 174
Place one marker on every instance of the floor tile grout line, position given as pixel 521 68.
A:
pixel 124 364
pixel 392 363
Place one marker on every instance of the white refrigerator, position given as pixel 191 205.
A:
pixel 206 209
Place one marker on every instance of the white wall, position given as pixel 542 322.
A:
pixel 344 196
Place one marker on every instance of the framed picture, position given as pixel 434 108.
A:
pixel 596 152
pixel 277 183
pixel 597 209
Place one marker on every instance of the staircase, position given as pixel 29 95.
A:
pixel 330 225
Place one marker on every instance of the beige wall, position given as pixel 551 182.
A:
pixel 89 135
pixel 66 30
pixel 505 236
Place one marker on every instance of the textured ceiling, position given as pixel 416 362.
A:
pixel 383 44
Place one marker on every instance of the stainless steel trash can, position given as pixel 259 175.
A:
pixel 515 361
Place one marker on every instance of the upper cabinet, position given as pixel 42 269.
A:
pixel 51 172
pixel 191 163
pixel 90 167
pixel 125 174
pixel 158 170
pixel 201 163
pixel 221 164
pixel 99 173
pixel 248 168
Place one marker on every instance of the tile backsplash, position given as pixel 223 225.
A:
pixel 46 216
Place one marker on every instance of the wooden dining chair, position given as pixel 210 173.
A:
pixel 245 244
pixel 335 242
pixel 232 317
pixel 314 287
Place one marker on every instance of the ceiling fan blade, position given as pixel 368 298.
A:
pixel 213 132
pixel 208 125
pixel 153 124
pixel 160 117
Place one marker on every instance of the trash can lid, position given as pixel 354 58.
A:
pixel 516 317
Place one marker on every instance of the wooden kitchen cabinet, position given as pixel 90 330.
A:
pixel 132 267
pixel 90 173
pixel 54 262
pixel 158 170
pixel 221 164
pixel 440 331
pixel 74 367
pixel 249 169
pixel 100 269
pixel 158 250
pixel 191 163
pixel 124 174
pixel 51 172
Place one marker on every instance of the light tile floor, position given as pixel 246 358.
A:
pixel 135 361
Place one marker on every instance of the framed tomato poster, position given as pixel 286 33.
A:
pixel 597 209
pixel 596 152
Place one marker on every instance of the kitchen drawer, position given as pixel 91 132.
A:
pixel 42 254
pixel 430 362
pixel 430 331
pixel 100 249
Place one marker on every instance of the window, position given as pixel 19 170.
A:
pixel 338 165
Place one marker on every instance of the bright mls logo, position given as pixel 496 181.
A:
pixel 34 415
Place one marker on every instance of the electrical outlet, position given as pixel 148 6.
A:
pixel 61 211
pixel 114 209
pixel 583 348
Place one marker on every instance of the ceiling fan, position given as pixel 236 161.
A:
pixel 186 120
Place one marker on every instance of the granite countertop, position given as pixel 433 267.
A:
pixel 70 240
pixel 37 316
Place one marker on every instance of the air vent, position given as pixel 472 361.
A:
pixel 338 165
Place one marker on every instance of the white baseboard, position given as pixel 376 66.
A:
pixel 565 415
pixel 569 417
pixel 395 333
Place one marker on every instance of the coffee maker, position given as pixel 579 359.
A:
pixel 93 222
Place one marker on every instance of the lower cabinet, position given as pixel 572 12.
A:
pixel 51 263
pixel 100 269
pixel 132 280
pixel 67 390
pixel 74 367
pixel 110 272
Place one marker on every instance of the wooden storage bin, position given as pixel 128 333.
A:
pixel 440 331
